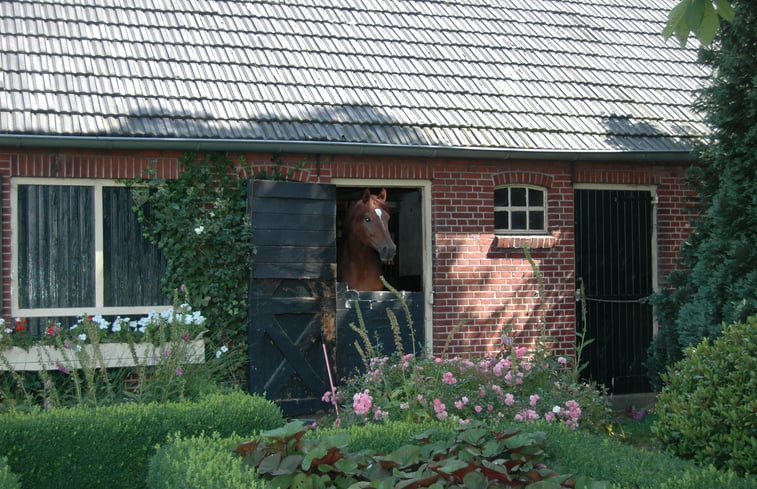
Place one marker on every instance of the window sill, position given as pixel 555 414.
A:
pixel 534 241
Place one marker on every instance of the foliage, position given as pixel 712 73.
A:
pixel 96 447
pixel 8 480
pixel 707 408
pixel 717 280
pixel 702 17
pixel 627 467
pixel 199 223
pixel 202 462
pixel 517 383
pixel 168 371
pixel 474 457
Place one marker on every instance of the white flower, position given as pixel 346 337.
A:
pixel 556 409
pixel 82 337
pixel 199 230
pixel 8 330
pixel 224 348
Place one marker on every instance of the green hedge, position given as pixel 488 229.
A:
pixel 202 461
pixel 625 466
pixel 99 447
pixel 8 480
pixel 187 464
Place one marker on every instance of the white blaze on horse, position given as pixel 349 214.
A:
pixel 367 244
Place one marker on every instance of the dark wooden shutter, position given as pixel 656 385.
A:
pixel 56 239
pixel 132 266
pixel 292 297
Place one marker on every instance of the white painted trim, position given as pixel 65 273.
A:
pixel 652 189
pixel 99 307
pixel 425 187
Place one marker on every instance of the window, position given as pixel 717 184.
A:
pixel 520 210
pixel 78 248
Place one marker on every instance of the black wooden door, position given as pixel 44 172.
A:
pixel 614 263
pixel 292 300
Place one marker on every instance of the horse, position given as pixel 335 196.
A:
pixel 367 242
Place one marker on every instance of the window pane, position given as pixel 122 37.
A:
pixel 500 197
pixel 500 220
pixel 536 220
pixel 56 246
pixel 133 267
pixel 519 220
pixel 518 196
pixel 535 197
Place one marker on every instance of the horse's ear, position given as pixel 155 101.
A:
pixel 382 195
pixel 366 196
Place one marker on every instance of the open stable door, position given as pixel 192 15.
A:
pixel 292 292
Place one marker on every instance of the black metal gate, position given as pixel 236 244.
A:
pixel 614 230
pixel 292 299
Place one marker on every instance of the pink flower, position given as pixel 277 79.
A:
pixel 459 404
pixel 378 414
pixel 509 399
pixel 549 417
pixel 361 402
pixel 465 400
pixel 179 371
pixel 449 378
pixel 562 361
pixel 440 409
pixel 533 399
pixel 482 391
pixel 478 408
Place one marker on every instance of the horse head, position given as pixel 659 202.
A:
pixel 368 222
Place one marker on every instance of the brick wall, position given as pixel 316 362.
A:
pixel 483 285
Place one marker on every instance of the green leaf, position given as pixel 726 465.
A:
pixel 475 480
pixel 725 10
pixel 695 12
pixel 708 27
pixel 675 19
pixel 269 464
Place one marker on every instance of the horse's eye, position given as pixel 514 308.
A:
pixel 367 219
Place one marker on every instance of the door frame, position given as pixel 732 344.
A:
pixel 652 189
pixel 427 282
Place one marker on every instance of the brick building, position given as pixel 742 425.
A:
pixel 565 127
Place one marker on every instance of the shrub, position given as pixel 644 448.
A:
pixel 627 467
pixel 95 447
pixel 202 462
pixel 707 408
pixel 8 480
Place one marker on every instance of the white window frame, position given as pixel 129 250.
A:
pixel 527 208
pixel 99 307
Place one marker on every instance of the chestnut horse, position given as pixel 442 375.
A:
pixel 367 242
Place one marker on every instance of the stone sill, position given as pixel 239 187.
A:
pixel 542 241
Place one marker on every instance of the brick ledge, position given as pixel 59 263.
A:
pixel 534 242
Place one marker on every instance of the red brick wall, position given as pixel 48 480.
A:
pixel 482 283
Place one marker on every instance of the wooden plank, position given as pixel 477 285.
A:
pixel 307 207
pixel 294 254
pixel 294 221
pixel 273 237
pixel 307 271
pixel 294 190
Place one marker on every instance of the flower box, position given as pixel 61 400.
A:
pixel 45 357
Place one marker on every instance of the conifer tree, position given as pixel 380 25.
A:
pixel 717 281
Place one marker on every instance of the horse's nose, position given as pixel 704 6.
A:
pixel 387 252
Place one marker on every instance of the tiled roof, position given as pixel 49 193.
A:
pixel 541 75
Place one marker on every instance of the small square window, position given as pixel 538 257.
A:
pixel 520 210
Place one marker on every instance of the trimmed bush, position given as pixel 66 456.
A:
pixel 206 462
pixel 707 409
pixel 111 446
pixel 8 480
pixel 627 467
